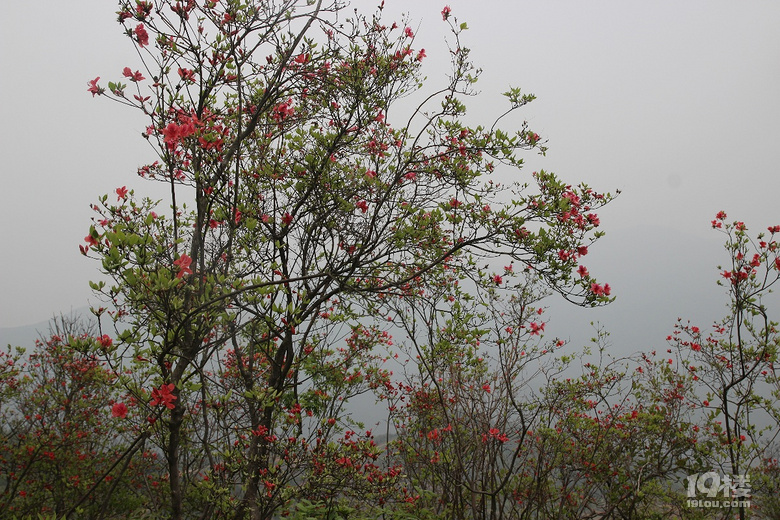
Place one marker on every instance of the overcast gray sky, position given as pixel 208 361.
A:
pixel 674 103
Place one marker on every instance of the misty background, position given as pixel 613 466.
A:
pixel 674 103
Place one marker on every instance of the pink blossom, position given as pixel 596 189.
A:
pixel 141 36
pixel 536 328
pixel 186 74
pixel 445 13
pixel 134 76
pixel 93 87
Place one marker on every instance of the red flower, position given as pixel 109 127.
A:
pixel 183 263
pixel 408 32
pixel 283 111
pixel 583 271
pixel 497 279
pixel 121 193
pixel 536 329
pixel 91 240
pixel 420 55
pixel 119 410
pixel 105 341
pixel 92 86
pixel 287 219
pixel 134 76
pixel 163 396
pixel 141 36
pixel 486 387
pixel 445 13
pixel 186 74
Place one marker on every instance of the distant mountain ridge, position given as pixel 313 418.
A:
pixel 25 335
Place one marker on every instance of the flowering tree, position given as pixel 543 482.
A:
pixel 305 200
pixel 460 412
pixel 63 429
pixel 503 433
pixel 734 364
pixel 478 442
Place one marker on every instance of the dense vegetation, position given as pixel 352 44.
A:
pixel 323 239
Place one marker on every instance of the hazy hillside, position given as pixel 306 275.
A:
pixel 25 335
pixel 657 274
